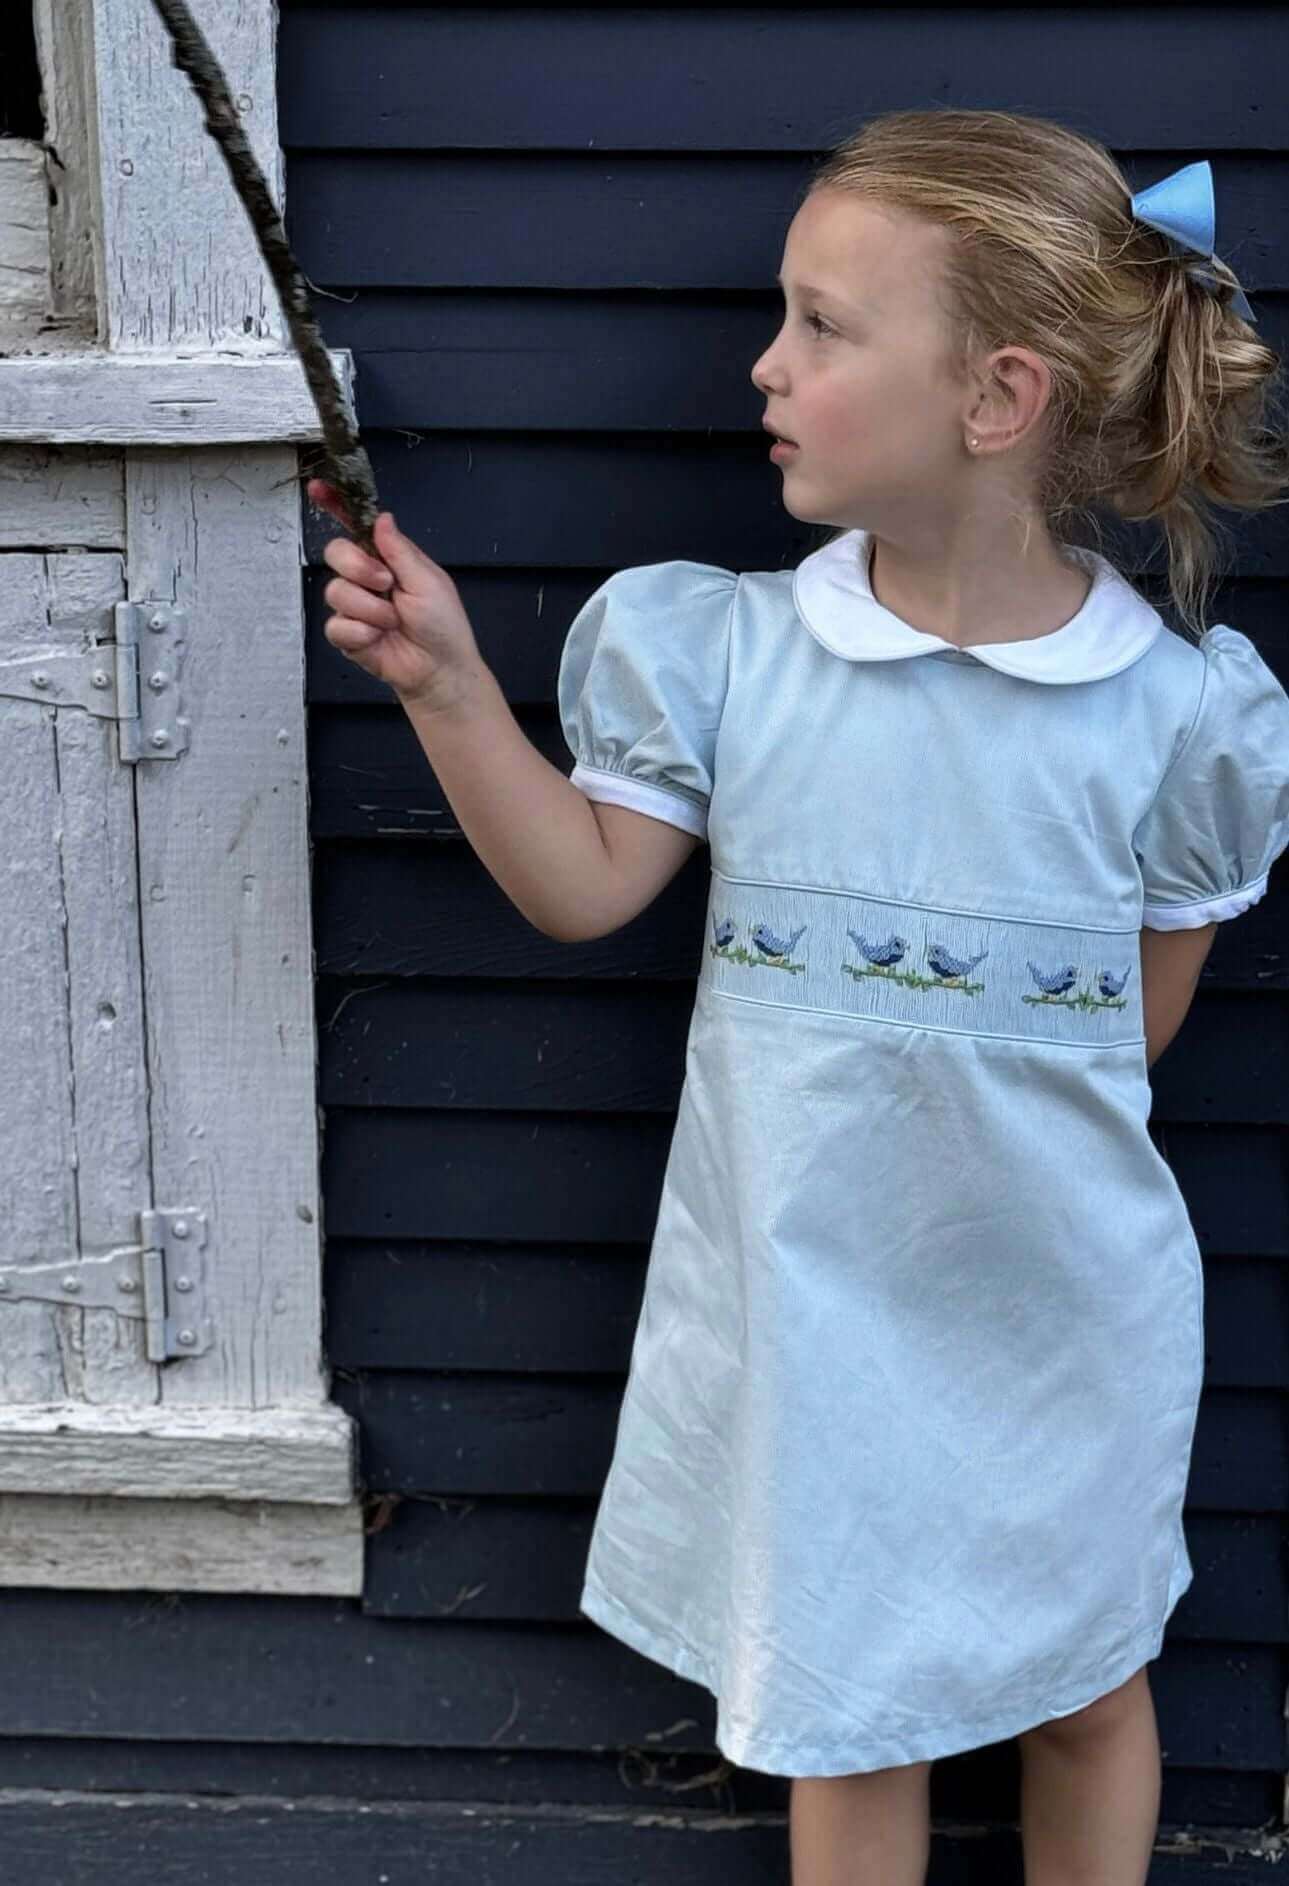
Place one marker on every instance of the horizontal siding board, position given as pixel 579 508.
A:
pixel 588 1177
pixel 494 1308
pixel 404 219
pixel 505 1777
pixel 619 361
pixel 475 1559
pixel 445 915
pixel 546 1047
pixel 1214 1705
pixel 130 1666
pixel 88 1842
pixel 529 1435
pixel 1246 1320
pixel 569 500
pixel 753 78
pixel 398 1174
pixel 478 1306
pixel 374 781
pixel 1234 1064
pixel 83 1841
pixel 500 1559
pixel 482 1434
pixel 527 1046
pixel 975 1788
pixel 197 1669
pixel 1235 1183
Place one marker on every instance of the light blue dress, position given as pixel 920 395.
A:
pixel 902 1453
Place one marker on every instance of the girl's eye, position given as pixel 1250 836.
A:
pixel 821 327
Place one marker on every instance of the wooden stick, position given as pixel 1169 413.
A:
pixel 347 466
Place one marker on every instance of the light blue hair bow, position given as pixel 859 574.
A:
pixel 1181 208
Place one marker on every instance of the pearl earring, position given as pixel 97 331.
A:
pixel 975 442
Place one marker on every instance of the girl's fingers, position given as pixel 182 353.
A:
pixel 351 599
pixel 344 633
pixel 348 560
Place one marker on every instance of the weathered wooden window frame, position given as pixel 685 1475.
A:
pixel 164 345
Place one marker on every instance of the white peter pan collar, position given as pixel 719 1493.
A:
pixel 835 600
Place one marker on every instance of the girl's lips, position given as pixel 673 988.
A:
pixel 785 446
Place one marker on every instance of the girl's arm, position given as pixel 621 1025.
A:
pixel 1171 961
pixel 575 868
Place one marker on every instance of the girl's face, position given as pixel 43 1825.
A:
pixel 858 372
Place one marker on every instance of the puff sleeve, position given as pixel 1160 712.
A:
pixel 1220 818
pixel 641 688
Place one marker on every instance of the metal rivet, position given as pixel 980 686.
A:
pixel 157 622
pixel 99 679
pixel 71 1283
pixel 180 1227
pixel 183 1283
pixel 157 681
pixel 161 738
pixel 187 1338
pixel 40 679
pixel 127 1284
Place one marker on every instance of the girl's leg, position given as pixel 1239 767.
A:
pixel 1090 1787
pixel 861 1830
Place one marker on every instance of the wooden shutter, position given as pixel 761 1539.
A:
pixel 165 1415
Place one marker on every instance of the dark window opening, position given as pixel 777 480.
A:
pixel 20 113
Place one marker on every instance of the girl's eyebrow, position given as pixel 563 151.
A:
pixel 821 294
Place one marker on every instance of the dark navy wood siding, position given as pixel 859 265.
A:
pixel 550 238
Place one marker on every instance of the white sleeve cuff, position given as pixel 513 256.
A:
pixel 639 795
pixel 1210 910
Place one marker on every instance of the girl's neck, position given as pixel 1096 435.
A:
pixel 975 599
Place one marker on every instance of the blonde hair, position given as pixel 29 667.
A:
pixel 1162 396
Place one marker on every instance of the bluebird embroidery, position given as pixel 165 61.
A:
pixel 776 950
pixel 949 971
pixel 952 970
pixel 999 975
pixel 773 952
pixel 881 956
pixel 1055 985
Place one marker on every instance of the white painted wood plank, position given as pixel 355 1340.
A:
pixel 170 1545
pixel 97 397
pixel 104 1356
pixel 24 239
pixel 227 941
pixel 37 1140
pixel 177 258
pixel 62 497
pixel 162 1452
pixel 205 502
pixel 64 51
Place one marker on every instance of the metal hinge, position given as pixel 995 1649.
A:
pixel 161 1280
pixel 133 680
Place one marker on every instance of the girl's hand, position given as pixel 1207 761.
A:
pixel 401 619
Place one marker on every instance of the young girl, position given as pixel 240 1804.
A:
pixel 901 1459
